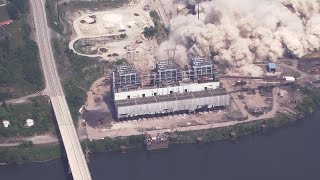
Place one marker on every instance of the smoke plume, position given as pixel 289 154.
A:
pixel 240 32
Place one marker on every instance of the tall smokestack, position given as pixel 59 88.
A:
pixel 199 10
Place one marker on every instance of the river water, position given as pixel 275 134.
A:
pixel 286 153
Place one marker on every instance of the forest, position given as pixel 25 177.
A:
pixel 20 72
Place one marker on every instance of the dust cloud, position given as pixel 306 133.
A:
pixel 241 32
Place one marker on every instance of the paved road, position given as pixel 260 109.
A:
pixel 21 99
pixel 77 162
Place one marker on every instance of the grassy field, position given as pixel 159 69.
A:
pixel 3 12
pixel 29 154
pixel 16 32
pixel 37 109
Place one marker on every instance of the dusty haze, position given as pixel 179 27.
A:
pixel 240 32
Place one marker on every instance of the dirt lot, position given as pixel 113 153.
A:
pixel 132 46
pixel 96 94
pixel 112 22
pixel 96 111
pixel 168 122
pixel 310 66
pixel 255 100
pixel 113 35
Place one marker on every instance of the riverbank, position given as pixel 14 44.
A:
pixel 306 108
pixel 22 154
pixel 289 152
pixel 197 136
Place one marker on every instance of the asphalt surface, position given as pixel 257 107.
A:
pixel 54 90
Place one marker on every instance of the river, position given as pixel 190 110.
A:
pixel 291 152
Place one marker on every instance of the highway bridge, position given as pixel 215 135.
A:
pixel 54 90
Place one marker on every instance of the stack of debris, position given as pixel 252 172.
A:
pixel 156 142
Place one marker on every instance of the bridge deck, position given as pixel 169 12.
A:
pixel 78 165
pixel 77 162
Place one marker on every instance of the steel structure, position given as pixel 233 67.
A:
pixel 203 69
pixel 125 78
pixel 166 73
pixel 169 89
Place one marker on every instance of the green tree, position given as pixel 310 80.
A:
pixel 21 5
pixel 13 11
pixel 154 15
pixel 149 32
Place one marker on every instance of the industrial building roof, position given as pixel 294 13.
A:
pixel 171 97
pixel 272 66
pixel 199 61
pixel 7 22
pixel 125 69
pixel 165 65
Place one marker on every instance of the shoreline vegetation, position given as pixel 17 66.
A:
pixel 30 153
pixel 22 154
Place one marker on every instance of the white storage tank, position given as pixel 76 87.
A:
pixel 29 122
pixel 6 123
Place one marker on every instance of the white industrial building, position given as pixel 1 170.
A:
pixel 169 89
pixel 184 102
pixel 182 88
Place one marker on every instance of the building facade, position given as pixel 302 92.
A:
pixel 169 90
